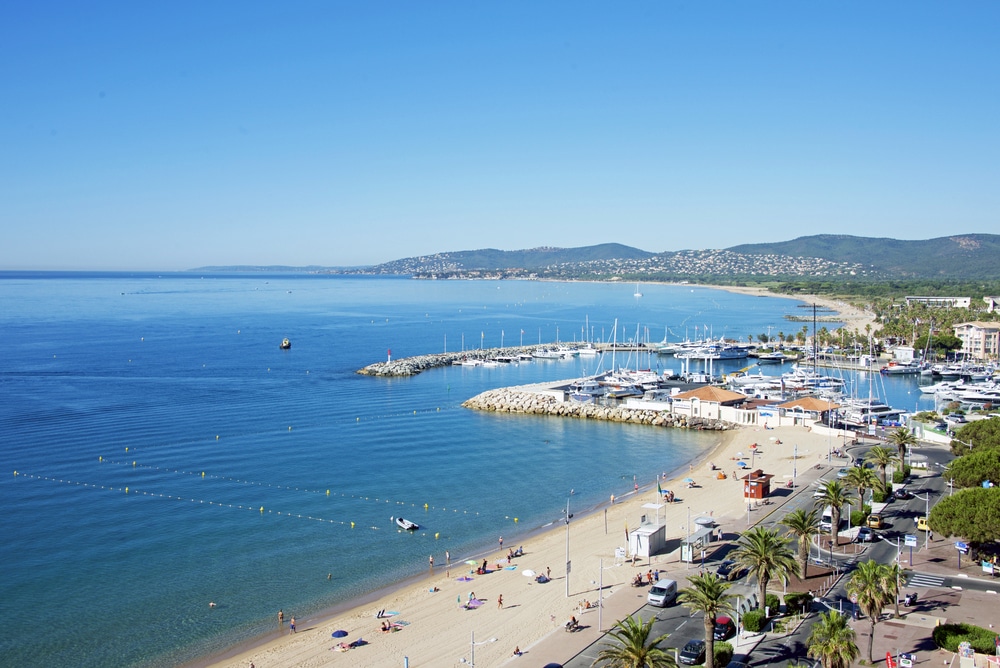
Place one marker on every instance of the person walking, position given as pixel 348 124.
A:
pixel 291 626
pixel 500 602
pixel 501 542
pixel 281 617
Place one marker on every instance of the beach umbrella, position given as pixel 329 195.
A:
pixel 528 573
pixel 340 633
pixel 474 603
pixel 742 465
pixel 464 578
pixel 753 446
pixel 472 563
pixel 688 479
pixel 740 455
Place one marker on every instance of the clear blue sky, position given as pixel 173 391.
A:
pixel 164 136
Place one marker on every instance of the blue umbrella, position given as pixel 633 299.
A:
pixel 339 634
pixel 742 465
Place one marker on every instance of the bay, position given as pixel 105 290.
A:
pixel 260 478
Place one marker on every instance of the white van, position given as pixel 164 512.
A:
pixel 826 520
pixel 662 593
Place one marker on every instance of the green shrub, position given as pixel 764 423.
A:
pixel 901 476
pixel 948 636
pixel 753 621
pixel 879 495
pixel 857 518
pixel 723 653
pixel 773 604
pixel 798 602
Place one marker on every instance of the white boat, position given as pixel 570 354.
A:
pixel 637 293
pixel 285 344
pixel 406 524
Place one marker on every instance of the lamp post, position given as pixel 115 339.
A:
pixel 472 661
pixel 795 463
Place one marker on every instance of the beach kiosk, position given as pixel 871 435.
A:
pixel 648 539
pixel 756 485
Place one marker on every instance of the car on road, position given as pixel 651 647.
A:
pixel 865 535
pixel 922 524
pixel 693 653
pixel 724 628
pixel 820 490
pixel 903 494
pixel 875 521
pixel 729 570
pixel 843 473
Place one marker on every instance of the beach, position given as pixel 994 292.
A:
pixel 434 627
pixel 854 319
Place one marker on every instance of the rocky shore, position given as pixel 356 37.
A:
pixel 411 366
pixel 515 400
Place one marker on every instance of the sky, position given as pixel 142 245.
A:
pixel 169 136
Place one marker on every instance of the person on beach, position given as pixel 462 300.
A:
pixel 431 559
pixel 517 651
pixel 291 626
pixel 501 542
pixel 281 617
pixel 500 602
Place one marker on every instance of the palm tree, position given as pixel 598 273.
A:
pixel 883 458
pixel 707 594
pixel 862 479
pixel 835 496
pixel 633 648
pixel 903 439
pixel 870 584
pixel 765 555
pixel 804 526
pixel 832 641
pixel 895 573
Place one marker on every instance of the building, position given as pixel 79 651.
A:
pixel 706 402
pixel 980 340
pixel 941 302
pixel 992 304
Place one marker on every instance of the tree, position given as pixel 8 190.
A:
pixel 881 457
pixel 765 555
pixel 835 496
pixel 707 594
pixel 895 574
pixel 983 434
pixel 861 479
pixel 972 469
pixel 633 648
pixel 870 584
pixel 804 526
pixel 973 514
pixel 903 439
pixel 832 641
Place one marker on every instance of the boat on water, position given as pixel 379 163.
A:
pixel 406 524
pixel 285 344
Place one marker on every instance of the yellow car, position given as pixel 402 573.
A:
pixel 922 524
pixel 875 521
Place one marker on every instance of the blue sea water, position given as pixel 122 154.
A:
pixel 168 453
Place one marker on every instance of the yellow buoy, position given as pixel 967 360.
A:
pixel 126 448
pixel 126 490
pixel 262 509
pixel 515 520
pixel 425 506
pixel 202 474
pixel 133 463
pixel 15 474
pixel 289 427
pixel 217 437
pixel 436 536
pixel 328 492
pixel 100 458
pixel 352 525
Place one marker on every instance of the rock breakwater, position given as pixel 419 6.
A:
pixel 515 400
pixel 411 366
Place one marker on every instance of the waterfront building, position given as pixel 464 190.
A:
pixel 980 340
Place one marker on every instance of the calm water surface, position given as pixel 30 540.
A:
pixel 169 454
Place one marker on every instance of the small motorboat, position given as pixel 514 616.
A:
pixel 285 344
pixel 403 523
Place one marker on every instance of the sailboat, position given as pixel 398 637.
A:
pixel 637 293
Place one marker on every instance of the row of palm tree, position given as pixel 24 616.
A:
pixel 767 555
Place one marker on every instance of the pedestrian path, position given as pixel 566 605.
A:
pixel 924 580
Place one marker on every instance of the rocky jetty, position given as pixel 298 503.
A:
pixel 411 366
pixel 515 400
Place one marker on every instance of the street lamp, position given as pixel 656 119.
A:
pixel 567 548
pixel 472 662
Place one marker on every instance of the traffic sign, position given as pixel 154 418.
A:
pixel 910 541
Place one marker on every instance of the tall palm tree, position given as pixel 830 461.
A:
pixel 882 457
pixel 862 479
pixel 895 574
pixel 804 525
pixel 765 555
pixel 903 439
pixel 870 584
pixel 835 496
pixel 832 641
pixel 707 594
pixel 633 648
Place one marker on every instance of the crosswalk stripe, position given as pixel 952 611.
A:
pixel 920 580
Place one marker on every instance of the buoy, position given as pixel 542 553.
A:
pixel 217 437
pixel 357 419
pixel 202 474
pixel 425 506
pixel 126 490
pixel 15 474
pixel 100 458
pixel 262 509
pixel 436 536
pixel 289 427
pixel 352 525
pixel 133 463
pixel 414 412
pixel 328 492
pixel 126 448
pixel 515 520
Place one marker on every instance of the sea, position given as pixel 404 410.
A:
pixel 162 452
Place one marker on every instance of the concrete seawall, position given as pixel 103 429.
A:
pixel 539 400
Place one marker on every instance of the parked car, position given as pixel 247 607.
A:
pixel 865 535
pixel 693 653
pixel 729 570
pixel 875 521
pixel 902 493
pixel 724 628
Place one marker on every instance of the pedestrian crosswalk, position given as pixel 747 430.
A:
pixel 923 580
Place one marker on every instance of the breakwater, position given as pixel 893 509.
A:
pixel 543 402
pixel 411 366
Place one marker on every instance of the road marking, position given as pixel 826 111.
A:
pixel 921 580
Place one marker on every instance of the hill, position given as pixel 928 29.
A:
pixel 960 257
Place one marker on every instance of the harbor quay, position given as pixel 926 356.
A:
pixel 411 366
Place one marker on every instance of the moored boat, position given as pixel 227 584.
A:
pixel 285 344
pixel 406 524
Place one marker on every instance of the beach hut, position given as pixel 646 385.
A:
pixel 756 484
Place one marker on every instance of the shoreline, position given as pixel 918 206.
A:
pixel 262 651
pixel 429 607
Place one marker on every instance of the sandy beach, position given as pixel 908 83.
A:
pixel 853 317
pixel 434 629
